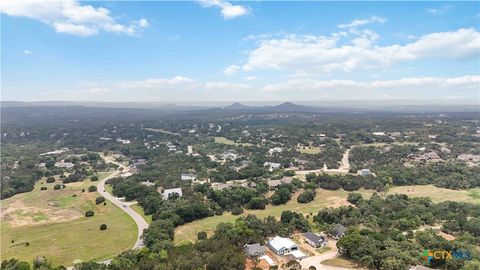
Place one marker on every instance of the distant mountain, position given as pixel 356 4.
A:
pixel 237 106
pixel 291 107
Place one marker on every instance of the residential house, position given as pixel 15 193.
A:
pixel 273 184
pixel 254 250
pixel 281 245
pixel 315 240
pixel 169 192
pixel 364 172
pixel 272 165
pixel 271 151
pixel 188 177
pixel 338 231
pixel 66 165
pixel 430 156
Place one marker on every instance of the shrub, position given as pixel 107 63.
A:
pixel 237 210
pixel 83 190
pixel 353 198
pixel 94 178
pixel 99 200
pixel 104 203
pixel 58 186
pixel 43 188
pixel 202 235
pixel 306 197
pixel 219 211
pixel 92 188
pixel 103 227
pixel 51 179
pixel 89 213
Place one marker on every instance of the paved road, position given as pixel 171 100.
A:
pixel 141 223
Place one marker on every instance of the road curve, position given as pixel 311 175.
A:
pixel 141 223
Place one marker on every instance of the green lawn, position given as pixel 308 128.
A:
pixel 341 262
pixel 53 224
pixel 324 198
pixel 224 140
pixel 309 150
pixel 78 239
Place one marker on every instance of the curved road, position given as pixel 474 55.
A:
pixel 141 223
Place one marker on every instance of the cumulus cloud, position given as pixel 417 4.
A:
pixel 232 69
pixel 71 17
pixel 314 54
pixel 27 52
pixel 361 22
pixel 309 85
pixel 228 10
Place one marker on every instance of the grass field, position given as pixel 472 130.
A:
pixel 324 198
pixel 53 224
pixel 224 140
pixel 309 150
pixel 341 262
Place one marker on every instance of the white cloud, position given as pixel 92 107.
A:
pixel 70 16
pixel 438 11
pixel 226 86
pixel 360 22
pixel 232 69
pixel 434 83
pixel 228 10
pixel 176 82
pixel 250 78
pixel 314 54
pixel 27 52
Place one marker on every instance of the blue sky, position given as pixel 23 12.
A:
pixel 214 50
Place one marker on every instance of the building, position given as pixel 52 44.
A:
pixel 469 157
pixel 430 156
pixel 271 151
pixel 338 231
pixel 364 172
pixel 66 165
pixel 314 240
pixel 273 184
pixel 120 140
pixel 254 250
pixel 170 191
pixel 272 165
pixel 378 133
pixel 188 177
pixel 282 246
pixel 139 162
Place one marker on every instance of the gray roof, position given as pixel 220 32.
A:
pixel 313 237
pixel 254 249
pixel 339 229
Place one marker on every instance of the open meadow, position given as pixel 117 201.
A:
pixel 324 198
pixel 51 223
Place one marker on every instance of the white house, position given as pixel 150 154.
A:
pixel 275 150
pixel 170 191
pixel 272 165
pixel 281 245
pixel 364 172
pixel 188 177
